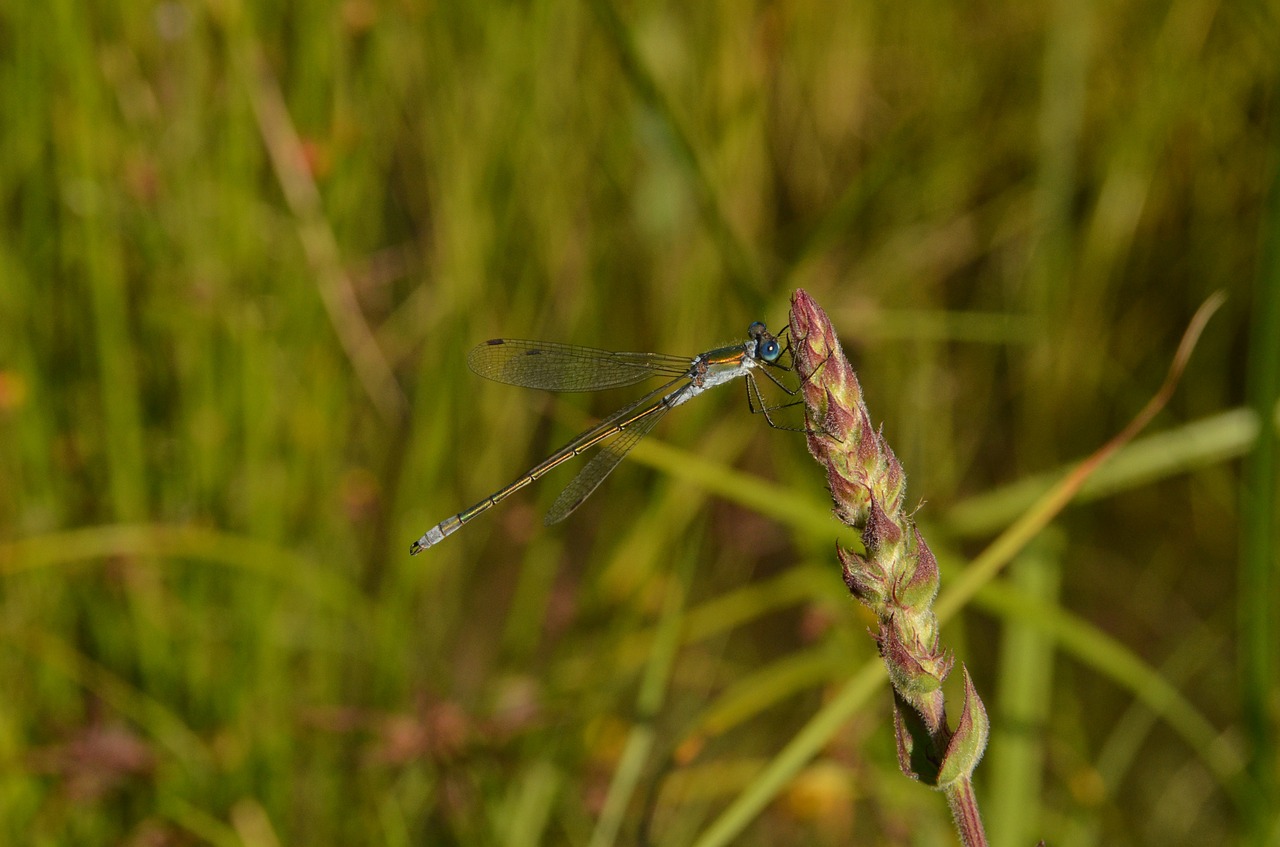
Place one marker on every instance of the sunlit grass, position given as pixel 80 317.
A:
pixel 208 488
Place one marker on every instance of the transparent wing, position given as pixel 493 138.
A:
pixel 567 367
pixel 600 466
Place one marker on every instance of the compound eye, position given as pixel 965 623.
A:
pixel 755 330
pixel 770 350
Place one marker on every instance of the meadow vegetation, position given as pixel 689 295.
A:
pixel 245 247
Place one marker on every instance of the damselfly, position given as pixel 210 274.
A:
pixel 566 367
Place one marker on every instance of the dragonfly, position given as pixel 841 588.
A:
pixel 551 366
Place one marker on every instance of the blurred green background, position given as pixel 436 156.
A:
pixel 246 246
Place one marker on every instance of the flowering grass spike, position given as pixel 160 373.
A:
pixel 895 575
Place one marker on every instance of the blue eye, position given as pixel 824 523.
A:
pixel 770 350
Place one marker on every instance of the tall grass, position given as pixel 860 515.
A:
pixel 227 405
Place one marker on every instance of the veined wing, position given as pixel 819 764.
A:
pixel 602 464
pixel 567 367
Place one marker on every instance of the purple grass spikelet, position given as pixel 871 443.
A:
pixel 895 575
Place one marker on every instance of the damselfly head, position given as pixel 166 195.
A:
pixel 767 346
